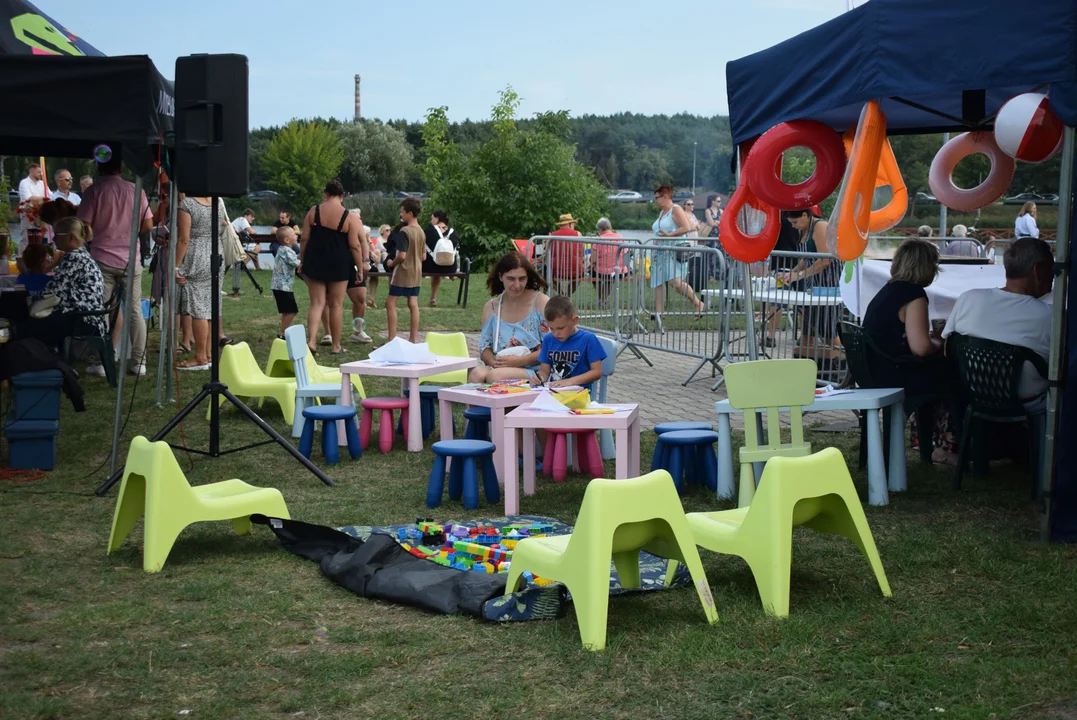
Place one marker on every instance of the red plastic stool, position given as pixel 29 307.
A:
pixel 385 430
pixel 555 459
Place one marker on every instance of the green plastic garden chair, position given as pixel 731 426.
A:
pixel 154 485
pixel 617 519
pixel 814 491
pixel 990 374
pixel 446 345
pixel 279 366
pixel 767 385
pixel 240 372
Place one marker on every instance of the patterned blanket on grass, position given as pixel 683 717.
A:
pixel 547 603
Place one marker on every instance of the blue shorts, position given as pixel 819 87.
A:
pixel 397 291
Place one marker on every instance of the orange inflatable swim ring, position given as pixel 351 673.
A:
pixel 889 175
pixel 740 244
pixel 821 140
pixel 847 232
pixel 941 176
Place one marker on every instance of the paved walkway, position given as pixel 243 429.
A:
pixel 662 397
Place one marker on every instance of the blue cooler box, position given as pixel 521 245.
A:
pixel 37 395
pixel 32 444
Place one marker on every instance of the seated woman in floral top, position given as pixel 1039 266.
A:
pixel 78 284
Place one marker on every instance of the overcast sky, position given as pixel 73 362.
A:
pixel 586 56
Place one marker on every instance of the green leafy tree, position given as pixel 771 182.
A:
pixel 376 156
pixel 645 167
pixel 300 159
pixel 512 186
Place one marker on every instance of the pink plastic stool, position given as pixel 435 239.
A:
pixel 555 459
pixel 386 428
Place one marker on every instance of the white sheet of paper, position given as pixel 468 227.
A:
pixel 401 352
pixel 548 403
pixel 829 391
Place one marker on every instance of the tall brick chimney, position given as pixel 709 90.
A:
pixel 358 114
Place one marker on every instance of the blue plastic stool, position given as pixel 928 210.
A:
pixel 463 475
pixel 428 409
pixel 690 453
pixel 478 423
pixel 328 415
pixel 658 460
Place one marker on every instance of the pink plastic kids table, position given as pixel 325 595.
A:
pixel 497 402
pixel 624 423
pixel 409 378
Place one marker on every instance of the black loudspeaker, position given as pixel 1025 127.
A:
pixel 212 128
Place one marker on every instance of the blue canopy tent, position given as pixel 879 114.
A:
pixel 890 50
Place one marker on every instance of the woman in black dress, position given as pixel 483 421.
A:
pixel 330 254
pixel 438 228
pixel 896 322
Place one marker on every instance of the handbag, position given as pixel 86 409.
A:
pixel 231 248
pixel 44 306
pixel 511 350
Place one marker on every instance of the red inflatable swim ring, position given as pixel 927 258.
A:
pixel 739 244
pixel 766 153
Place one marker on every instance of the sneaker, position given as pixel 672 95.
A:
pixel 139 369
pixel 96 369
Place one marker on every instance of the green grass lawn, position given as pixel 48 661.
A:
pixel 981 624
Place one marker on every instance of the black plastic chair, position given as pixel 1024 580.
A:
pixel 103 345
pixel 989 373
pixel 857 346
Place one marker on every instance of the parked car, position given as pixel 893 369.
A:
pixel 263 195
pixel 1025 197
pixel 682 195
pixel 1050 199
pixel 923 197
pixel 625 196
pixel 13 197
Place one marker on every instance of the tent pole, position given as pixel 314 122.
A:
pixel 942 208
pixel 129 311
pixel 1058 328
pixel 167 310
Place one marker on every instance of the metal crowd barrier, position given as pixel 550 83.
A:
pixel 771 318
pixel 641 295
pixel 645 296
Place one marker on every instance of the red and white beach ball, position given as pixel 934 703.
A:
pixel 1027 129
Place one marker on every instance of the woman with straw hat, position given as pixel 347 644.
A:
pixel 565 258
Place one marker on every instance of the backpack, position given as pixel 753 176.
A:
pixel 444 252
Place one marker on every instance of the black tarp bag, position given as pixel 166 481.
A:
pixel 380 568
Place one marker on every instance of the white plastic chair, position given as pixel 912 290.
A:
pixel 306 392
pixel 605 437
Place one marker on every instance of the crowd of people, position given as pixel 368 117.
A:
pixel 338 257
pixel 329 249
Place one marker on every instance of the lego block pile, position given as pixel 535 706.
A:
pixel 484 548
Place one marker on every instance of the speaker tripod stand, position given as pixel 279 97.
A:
pixel 215 389
pixel 242 266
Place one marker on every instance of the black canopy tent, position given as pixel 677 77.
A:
pixel 66 106
pixel 889 50
pixel 66 98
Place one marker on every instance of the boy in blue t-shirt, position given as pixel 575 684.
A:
pixel 569 356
